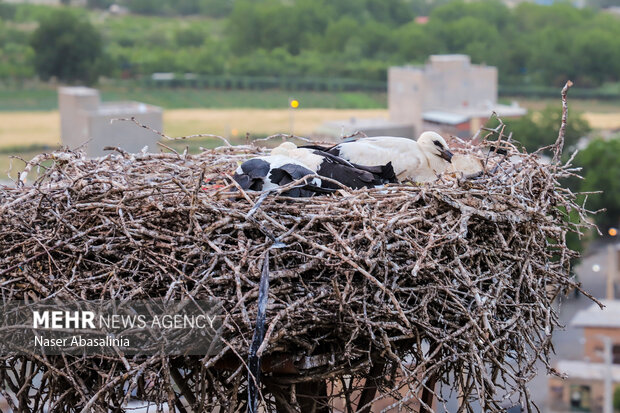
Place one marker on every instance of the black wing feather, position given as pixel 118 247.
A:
pixel 384 172
pixel 256 168
pixel 288 173
pixel 376 175
pixel 347 175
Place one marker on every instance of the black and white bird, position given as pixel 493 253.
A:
pixel 270 172
pixel 331 166
pixel 420 160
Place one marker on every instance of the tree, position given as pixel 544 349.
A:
pixel 99 4
pixel 388 11
pixel 617 398
pixel 193 36
pixel 601 170
pixel 602 49
pixel 416 42
pixel 216 8
pixel 67 47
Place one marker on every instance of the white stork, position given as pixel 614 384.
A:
pixel 420 160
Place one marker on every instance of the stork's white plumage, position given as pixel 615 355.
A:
pixel 305 156
pixel 419 160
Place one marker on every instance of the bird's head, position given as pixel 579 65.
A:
pixel 284 148
pixel 434 144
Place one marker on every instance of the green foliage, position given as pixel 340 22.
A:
pixel 601 172
pixel 34 13
pixel 603 62
pixel 617 398
pixel 68 48
pixel 99 4
pixel 216 8
pixel 190 36
pixel 303 24
pixel 7 11
pixel 270 24
pixel 40 98
pixel 530 44
pixel 15 61
pixel 416 43
pixel 389 11
pixel 536 130
pixel 213 8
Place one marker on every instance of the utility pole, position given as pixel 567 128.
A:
pixel 608 405
pixel 292 105
pixel 612 267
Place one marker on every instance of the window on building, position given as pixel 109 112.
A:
pixel 557 393
pixel 615 354
pixel 580 398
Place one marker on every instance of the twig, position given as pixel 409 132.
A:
pixel 559 143
pixel 199 135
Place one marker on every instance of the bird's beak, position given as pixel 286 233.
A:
pixel 446 154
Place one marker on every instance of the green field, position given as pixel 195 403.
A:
pixel 44 97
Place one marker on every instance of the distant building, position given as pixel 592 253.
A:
pixel 583 389
pixel 448 94
pixel 85 120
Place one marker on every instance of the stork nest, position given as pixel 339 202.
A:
pixel 393 288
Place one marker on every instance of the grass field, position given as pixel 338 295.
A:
pixel 26 129
pixel 44 97
pixel 19 130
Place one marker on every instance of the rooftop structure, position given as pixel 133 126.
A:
pixel 85 120
pixel 595 317
pixel 583 370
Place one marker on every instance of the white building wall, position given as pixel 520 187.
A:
pixel 73 105
pixel 86 122
pixel 124 134
pixel 406 89
pixel 445 83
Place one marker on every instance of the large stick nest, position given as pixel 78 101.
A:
pixel 450 281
